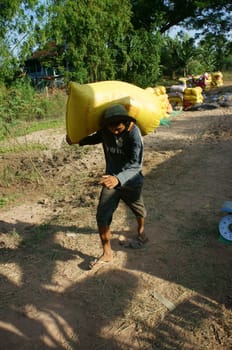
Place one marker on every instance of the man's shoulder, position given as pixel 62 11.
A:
pixel 135 131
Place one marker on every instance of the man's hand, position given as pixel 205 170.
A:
pixel 109 181
pixel 68 140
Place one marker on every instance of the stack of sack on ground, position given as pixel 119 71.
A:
pixel 176 94
pixel 87 102
pixel 161 93
pixel 217 79
pixel 212 80
pixel 192 96
pixel 203 80
pixel 166 106
pixel 206 81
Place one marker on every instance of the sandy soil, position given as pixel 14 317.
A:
pixel 175 293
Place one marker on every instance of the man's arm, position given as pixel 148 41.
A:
pixel 91 139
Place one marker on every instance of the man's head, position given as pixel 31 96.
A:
pixel 116 119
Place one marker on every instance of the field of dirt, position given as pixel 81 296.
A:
pixel 175 293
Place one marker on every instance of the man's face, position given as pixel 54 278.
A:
pixel 116 128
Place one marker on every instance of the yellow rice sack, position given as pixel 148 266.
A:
pixel 194 99
pixel 159 90
pixel 175 101
pixel 217 79
pixel 161 93
pixel 87 102
pixel 196 91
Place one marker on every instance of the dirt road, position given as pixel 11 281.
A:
pixel 175 293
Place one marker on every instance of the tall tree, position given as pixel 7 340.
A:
pixel 94 33
pixel 17 28
pixel 164 14
pixel 183 54
pixel 176 55
pixel 100 41
pixel 218 45
pixel 11 11
pixel 144 68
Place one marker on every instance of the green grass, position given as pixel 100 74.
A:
pixel 7 199
pixel 21 128
pixel 23 110
pixel 3 202
pixel 18 148
pixel 44 125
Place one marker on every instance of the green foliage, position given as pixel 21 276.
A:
pixel 7 62
pixel 183 55
pixel 227 63
pixel 176 54
pixel 21 105
pixel 108 39
pixel 215 48
pixel 212 17
pixel 153 15
pixel 19 148
pixel 18 34
pixel 144 69
pixel 195 67
pixel 3 202
pixel 8 10
pixel 101 43
pixel 94 34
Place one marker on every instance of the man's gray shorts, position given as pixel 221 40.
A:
pixel 109 200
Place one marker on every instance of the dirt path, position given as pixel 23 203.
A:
pixel 175 293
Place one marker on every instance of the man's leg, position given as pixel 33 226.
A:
pixel 134 199
pixel 141 224
pixel 108 203
pixel 104 232
pixel 141 234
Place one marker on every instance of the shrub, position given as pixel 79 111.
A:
pixel 22 103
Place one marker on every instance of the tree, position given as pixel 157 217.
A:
pixel 218 45
pixel 17 33
pixel 7 62
pixel 94 34
pixel 159 15
pixel 101 43
pixel 13 12
pixel 144 68
pixel 177 53
pixel 108 39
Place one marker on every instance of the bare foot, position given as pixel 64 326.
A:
pixel 104 259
